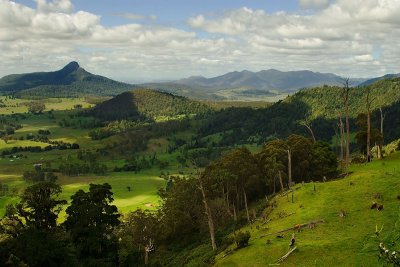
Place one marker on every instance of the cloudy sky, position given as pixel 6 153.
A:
pixel 144 40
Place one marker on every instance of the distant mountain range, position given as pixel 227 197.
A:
pixel 72 80
pixel 247 85
pixel 266 80
pixel 373 80
pixel 271 85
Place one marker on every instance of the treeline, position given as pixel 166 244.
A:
pixel 57 145
pixel 9 124
pixel 77 121
pixel 76 89
pixel 87 162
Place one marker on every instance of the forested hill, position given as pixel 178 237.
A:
pixel 320 107
pixel 371 81
pixel 327 101
pixel 147 103
pixel 72 80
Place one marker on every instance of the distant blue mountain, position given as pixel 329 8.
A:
pixel 371 81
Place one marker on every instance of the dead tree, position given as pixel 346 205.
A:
pixel 345 96
pixel 368 106
pixel 308 126
pixel 245 205
pixel 147 249
pixel 381 143
pixel 289 168
pixel 342 141
pixel 280 180
pixel 209 214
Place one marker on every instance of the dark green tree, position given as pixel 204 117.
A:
pixel 36 107
pixel 39 206
pixel 138 235
pixel 32 237
pixel 91 222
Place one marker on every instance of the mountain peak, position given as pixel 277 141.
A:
pixel 70 67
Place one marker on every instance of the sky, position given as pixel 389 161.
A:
pixel 157 40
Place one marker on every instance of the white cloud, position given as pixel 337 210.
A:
pixel 340 38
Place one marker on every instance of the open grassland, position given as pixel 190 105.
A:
pixel 143 185
pixel 143 189
pixel 11 106
pixel 348 241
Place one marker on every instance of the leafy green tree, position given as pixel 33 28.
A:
pixel 324 162
pixel 243 168
pixel 35 107
pixel 30 227
pixel 91 222
pixel 39 175
pixel 182 211
pixel 138 234
pixel 362 134
pixel 39 206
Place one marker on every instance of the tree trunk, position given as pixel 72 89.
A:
pixel 382 141
pixel 280 180
pixel 347 138
pixel 289 168
pixel 146 256
pixel 308 126
pixel 228 208
pixel 336 141
pixel 209 217
pixel 369 101
pixel 245 204
pixel 341 142
pixel 234 212
pixel 368 136
pixel 346 90
pixel 274 184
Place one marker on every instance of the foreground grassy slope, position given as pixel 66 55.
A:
pixel 348 241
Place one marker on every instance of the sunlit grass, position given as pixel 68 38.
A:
pixel 348 241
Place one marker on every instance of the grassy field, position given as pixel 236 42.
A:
pixel 144 185
pixel 17 105
pixel 143 194
pixel 348 241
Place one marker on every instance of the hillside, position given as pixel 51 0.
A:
pixel 146 103
pixel 72 80
pixel 321 106
pixel 348 241
pixel 326 101
pixel 371 81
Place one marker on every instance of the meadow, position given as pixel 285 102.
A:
pixel 348 241
pixel 143 185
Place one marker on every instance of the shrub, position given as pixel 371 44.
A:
pixel 242 239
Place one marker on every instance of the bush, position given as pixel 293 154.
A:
pixel 359 159
pixel 242 239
